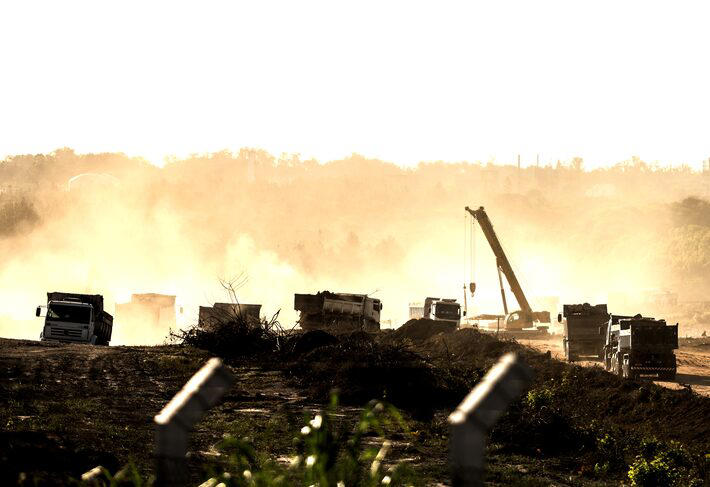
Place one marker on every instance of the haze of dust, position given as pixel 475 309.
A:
pixel 354 225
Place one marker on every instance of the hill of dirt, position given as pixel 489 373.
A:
pixel 421 329
pixel 72 407
pixel 589 394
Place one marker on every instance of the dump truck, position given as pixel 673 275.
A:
pixel 584 331
pixel 77 318
pixel 338 312
pixel 210 316
pixel 442 310
pixel 416 311
pixel 640 347
pixel 151 309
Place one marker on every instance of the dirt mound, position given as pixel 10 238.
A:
pixel 361 369
pixel 485 348
pixel 422 329
pixel 582 395
pixel 312 340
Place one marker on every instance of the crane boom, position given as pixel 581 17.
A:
pixel 527 314
pixel 501 259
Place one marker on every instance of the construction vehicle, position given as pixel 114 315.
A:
pixel 637 346
pixel 525 317
pixel 220 313
pixel 582 337
pixel 338 312
pixel 77 318
pixel 442 310
pixel 416 311
pixel 151 309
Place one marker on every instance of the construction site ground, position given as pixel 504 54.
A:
pixel 693 360
pixel 69 408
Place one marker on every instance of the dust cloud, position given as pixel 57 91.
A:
pixel 114 225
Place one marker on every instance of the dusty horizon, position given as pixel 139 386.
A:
pixel 524 161
pixel 355 225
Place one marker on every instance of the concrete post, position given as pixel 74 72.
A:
pixel 478 412
pixel 174 422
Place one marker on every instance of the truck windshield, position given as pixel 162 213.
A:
pixel 69 313
pixel 447 311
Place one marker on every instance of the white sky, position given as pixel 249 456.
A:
pixel 403 81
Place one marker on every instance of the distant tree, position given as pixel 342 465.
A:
pixel 577 164
pixel 691 211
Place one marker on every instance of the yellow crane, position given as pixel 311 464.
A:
pixel 525 317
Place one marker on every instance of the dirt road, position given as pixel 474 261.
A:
pixel 693 360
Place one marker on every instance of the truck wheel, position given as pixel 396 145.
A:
pixel 569 355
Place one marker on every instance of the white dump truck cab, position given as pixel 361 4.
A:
pixel 442 310
pixel 68 321
pixel 75 318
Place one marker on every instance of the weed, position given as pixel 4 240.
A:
pixel 325 455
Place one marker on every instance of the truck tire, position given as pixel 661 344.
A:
pixel 616 366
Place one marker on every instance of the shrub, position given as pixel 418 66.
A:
pixel 234 336
pixel 650 474
pixel 664 464
pixel 539 397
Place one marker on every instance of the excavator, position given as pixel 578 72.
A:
pixel 525 317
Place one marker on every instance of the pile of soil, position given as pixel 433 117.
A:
pixel 312 340
pixel 470 343
pixel 362 368
pixel 426 365
pixel 422 329
pixel 590 394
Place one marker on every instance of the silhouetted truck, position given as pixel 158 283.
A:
pixel 338 312
pixel 447 310
pixel 638 346
pixel 223 313
pixel 149 309
pixel 78 318
pixel 584 331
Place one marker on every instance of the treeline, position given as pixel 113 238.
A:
pixel 255 165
